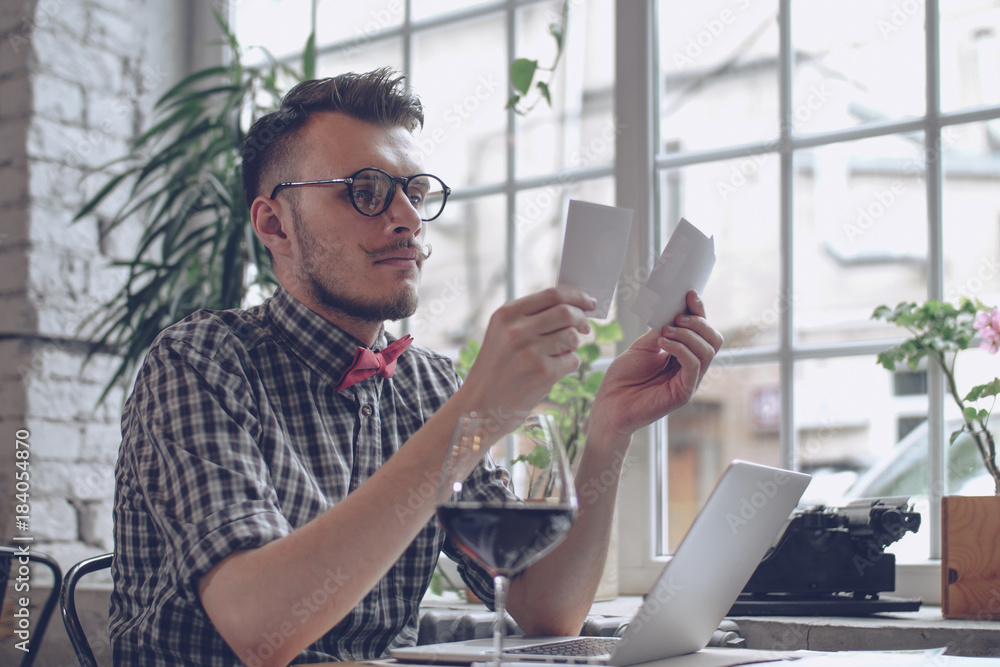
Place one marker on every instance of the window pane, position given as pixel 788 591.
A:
pixel 357 21
pixel 860 236
pixel 736 201
pixel 254 24
pixel 577 130
pixel 970 54
pixel 718 62
pixel 541 226
pixel 971 212
pixel 463 281
pixel 733 415
pixel 846 433
pixel 423 9
pixel 856 61
pixel 846 421
pixel 846 413
pixel 465 121
pixel 361 58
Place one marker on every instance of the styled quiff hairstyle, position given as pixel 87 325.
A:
pixel 377 97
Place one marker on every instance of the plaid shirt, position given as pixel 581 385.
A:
pixel 234 437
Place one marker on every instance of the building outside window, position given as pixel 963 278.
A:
pixel 842 156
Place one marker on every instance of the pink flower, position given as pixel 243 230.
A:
pixel 988 326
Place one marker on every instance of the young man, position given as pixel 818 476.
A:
pixel 261 477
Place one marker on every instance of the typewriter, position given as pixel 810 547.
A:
pixel 832 562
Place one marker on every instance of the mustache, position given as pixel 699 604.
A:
pixel 423 251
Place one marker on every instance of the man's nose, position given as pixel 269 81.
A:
pixel 402 215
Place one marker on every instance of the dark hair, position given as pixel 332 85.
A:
pixel 377 97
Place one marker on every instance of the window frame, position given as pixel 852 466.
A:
pixel 637 107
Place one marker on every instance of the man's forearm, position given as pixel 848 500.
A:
pixel 554 595
pixel 252 594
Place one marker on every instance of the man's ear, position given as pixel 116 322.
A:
pixel 267 217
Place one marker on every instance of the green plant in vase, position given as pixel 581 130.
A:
pixel 939 332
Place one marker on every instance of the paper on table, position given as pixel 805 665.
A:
pixel 706 657
pixel 594 251
pixel 686 264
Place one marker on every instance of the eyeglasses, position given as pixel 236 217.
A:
pixel 372 190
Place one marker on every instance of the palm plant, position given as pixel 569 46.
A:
pixel 182 177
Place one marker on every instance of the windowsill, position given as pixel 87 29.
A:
pixel 906 630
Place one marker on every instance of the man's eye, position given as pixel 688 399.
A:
pixel 367 200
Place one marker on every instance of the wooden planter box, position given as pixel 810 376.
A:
pixel 970 557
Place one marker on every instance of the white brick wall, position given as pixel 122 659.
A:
pixel 77 80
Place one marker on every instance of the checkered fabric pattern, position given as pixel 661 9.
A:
pixel 234 437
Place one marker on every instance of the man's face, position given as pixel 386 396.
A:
pixel 364 267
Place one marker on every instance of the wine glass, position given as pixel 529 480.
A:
pixel 506 535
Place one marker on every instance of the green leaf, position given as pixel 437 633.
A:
pixel 309 57
pixel 606 333
pixel 589 353
pixel 991 388
pixel 556 30
pixel 539 457
pixel 102 193
pixel 969 414
pixel 544 88
pixel 512 102
pixel 593 382
pixel 184 83
pixel 437 584
pixel 522 71
pixel 466 357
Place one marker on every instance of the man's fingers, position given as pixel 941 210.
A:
pixel 538 302
pixel 695 306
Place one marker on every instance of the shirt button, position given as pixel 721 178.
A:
pixel 367 411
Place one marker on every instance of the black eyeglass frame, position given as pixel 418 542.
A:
pixel 349 182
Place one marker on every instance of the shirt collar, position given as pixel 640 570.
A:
pixel 327 348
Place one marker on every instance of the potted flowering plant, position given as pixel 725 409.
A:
pixel 970 526
pixel 940 331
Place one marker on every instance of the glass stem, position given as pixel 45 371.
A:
pixel 499 624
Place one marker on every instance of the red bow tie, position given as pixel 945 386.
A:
pixel 367 363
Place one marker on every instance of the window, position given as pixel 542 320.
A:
pixel 840 167
pixel 842 156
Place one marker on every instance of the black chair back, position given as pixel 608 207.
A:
pixel 11 560
pixel 67 603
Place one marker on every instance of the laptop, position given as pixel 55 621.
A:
pixel 741 519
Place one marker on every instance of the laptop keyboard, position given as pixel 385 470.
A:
pixel 582 646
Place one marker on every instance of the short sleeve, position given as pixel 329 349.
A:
pixel 195 457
